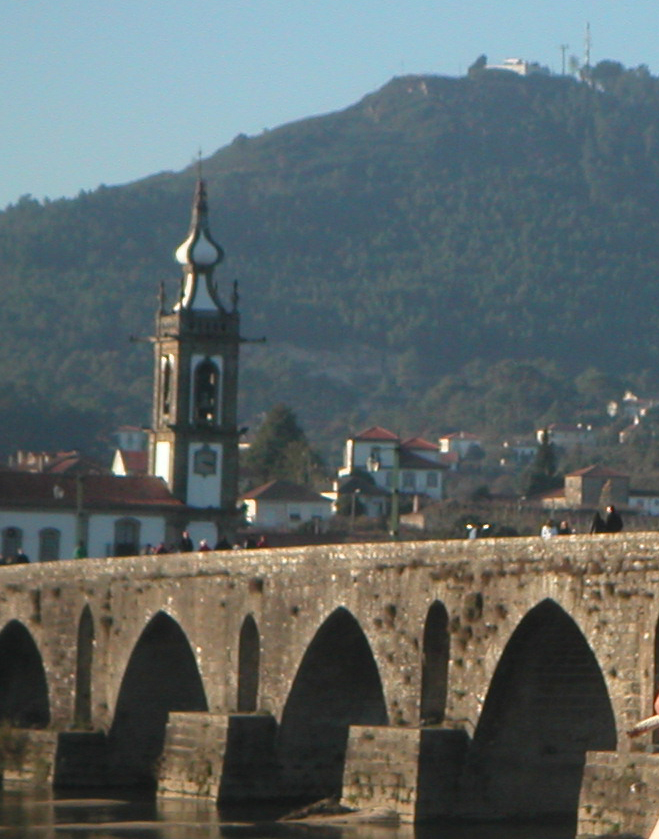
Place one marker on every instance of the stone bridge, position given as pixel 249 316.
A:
pixel 458 678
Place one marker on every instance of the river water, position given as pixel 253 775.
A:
pixel 29 814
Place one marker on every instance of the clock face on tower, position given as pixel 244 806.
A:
pixel 205 461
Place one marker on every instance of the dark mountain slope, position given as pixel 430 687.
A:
pixel 435 223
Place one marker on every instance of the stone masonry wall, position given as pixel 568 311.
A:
pixel 607 584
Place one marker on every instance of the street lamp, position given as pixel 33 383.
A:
pixel 353 507
pixel 394 522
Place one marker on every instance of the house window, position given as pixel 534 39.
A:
pixel 206 382
pixel 431 479
pixel 49 539
pixel 126 537
pixel 294 515
pixel 12 540
pixel 409 480
pixel 374 460
pixel 389 479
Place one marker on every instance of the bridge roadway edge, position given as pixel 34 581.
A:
pixel 606 584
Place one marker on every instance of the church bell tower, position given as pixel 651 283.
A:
pixel 193 441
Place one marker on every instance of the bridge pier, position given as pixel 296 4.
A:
pixel 27 755
pixel 414 771
pixel 228 758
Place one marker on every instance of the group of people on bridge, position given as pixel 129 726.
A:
pixel 612 523
pixel 186 545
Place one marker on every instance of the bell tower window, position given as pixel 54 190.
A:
pixel 166 370
pixel 206 386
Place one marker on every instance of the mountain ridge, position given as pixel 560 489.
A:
pixel 434 224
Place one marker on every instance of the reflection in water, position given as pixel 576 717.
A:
pixel 28 814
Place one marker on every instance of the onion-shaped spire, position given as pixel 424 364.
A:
pixel 198 255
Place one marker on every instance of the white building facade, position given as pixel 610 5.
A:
pixel 413 465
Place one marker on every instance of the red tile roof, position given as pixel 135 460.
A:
pixel 284 491
pixel 376 432
pixel 460 435
pixel 409 460
pixel 419 443
pixel 46 490
pixel 597 472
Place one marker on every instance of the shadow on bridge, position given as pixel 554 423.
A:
pixel 161 676
pixel 546 706
pixel 337 685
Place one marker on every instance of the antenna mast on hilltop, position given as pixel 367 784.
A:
pixel 587 45
pixel 563 48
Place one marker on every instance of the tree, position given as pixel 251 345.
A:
pixel 478 66
pixel 541 475
pixel 280 449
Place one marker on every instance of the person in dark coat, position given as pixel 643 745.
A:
pixel 613 520
pixel 598 524
pixel 185 545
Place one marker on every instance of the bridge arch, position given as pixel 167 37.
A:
pixel 434 665
pixel 161 676
pixel 337 685
pixel 547 704
pixel 249 655
pixel 84 663
pixel 23 687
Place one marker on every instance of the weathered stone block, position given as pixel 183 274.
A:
pixel 28 755
pixel 414 771
pixel 619 794
pixel 219 756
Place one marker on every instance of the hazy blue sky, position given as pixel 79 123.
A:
pixel 108 91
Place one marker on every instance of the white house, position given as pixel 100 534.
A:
pixel 521 67
pixel 381 453
pixel 47 515
pixel 283 505
pixel 462 443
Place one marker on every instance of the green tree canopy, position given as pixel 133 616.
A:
pixel 280 449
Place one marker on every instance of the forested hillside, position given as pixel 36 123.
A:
pixel 445 252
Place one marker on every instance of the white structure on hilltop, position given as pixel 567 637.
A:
pixel 521 67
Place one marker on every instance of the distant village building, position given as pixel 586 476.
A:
pixel 284 505
pixel 589 488
pixel 132 438
pixel 413 464
pixel 47 515
pixel 464 444
pixel 631 407
pixel 584 488
pixel 567 436
pixel 518 451
pixel 60 463
pixel 644 501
